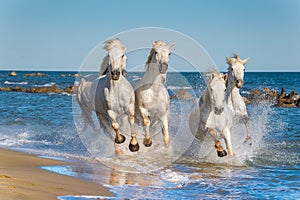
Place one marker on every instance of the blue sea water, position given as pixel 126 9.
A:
pixel 47 125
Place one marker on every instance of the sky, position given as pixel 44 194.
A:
pixel 59 34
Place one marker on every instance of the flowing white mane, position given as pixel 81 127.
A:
pixel 108 46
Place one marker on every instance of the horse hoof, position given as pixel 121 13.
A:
pixel 222 153
pixel 123 138
pixel 134 147
pixel 147 142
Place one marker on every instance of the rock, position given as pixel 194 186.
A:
pixel 246 100
pixel 266 94
pixel 72 89
pixel 13 73
pixel 36 74
pixel 182 94
pixel 6 89
pixel 290 100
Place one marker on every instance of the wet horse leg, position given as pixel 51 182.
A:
pixel 144 113
pixel 220 150
pixel 227 137
pixel 119 137
pixel 133 145
pixel 165 129
pixel 105 122
pixel 246 120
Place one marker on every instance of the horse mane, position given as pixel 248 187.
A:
pixel 156 45
pixel 214 73
pixel 108 46
pixel 104 65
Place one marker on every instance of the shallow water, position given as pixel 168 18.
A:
pixel 43 124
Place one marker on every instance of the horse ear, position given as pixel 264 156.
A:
pixel 230 61
pixel 172 45
pixel 225 77
pixel 245 61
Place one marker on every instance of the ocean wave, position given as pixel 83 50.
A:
pixel 171 87
pixel 46 85
pixel 15 83
pixel 179 179
pixel 245 92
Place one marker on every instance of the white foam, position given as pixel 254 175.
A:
pixel 171 87
pixel 15 83
pixel 46 85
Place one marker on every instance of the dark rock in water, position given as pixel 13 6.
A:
pixel 13 73
pixel 72 89
pixel 36 74
pixel 52 89
pixel 290 100
pixel 266 94
pixel 276 99
pixel 182 94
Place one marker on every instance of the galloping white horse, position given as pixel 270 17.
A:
pixel 111 96
pixel 233 98
pixel 214 116
pixel 152 98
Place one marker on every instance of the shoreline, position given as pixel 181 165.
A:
pixel 22 178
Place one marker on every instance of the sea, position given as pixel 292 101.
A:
pixel 50 125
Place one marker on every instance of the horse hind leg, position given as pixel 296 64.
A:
pixel 220 150
pixel 86 115
pixel 246 120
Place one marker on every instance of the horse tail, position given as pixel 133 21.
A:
pixel 85 105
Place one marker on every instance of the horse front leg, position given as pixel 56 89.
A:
pixel 119 139
pixel 133 145
pixel 104 121
pixel 220 150
pixel 165 129
pixel 147 140
pixel 227 137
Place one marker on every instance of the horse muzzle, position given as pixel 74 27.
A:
pixel 218 110
pixel 115 75
pixel 239 83
pixel 163 68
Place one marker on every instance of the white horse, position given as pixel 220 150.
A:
pixel 152 98
pixel 214 116
pixel 235 81
pixel 110 96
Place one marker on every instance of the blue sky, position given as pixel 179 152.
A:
pixel 59 34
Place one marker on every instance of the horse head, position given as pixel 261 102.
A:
pixel 160 54
pixel 217 89
pixel 236 70
pixel 115 60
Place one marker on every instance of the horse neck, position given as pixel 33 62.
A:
pixel 231 90
pixel 152 74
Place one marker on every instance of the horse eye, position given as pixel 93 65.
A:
pixel 231 68
pixel 225 90
pixel 155 52
pixel 123 55
pixel 169 54
pixel 244 69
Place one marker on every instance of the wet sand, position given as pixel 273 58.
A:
pixel 21 178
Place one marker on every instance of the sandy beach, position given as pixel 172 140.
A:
pixel 21 178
